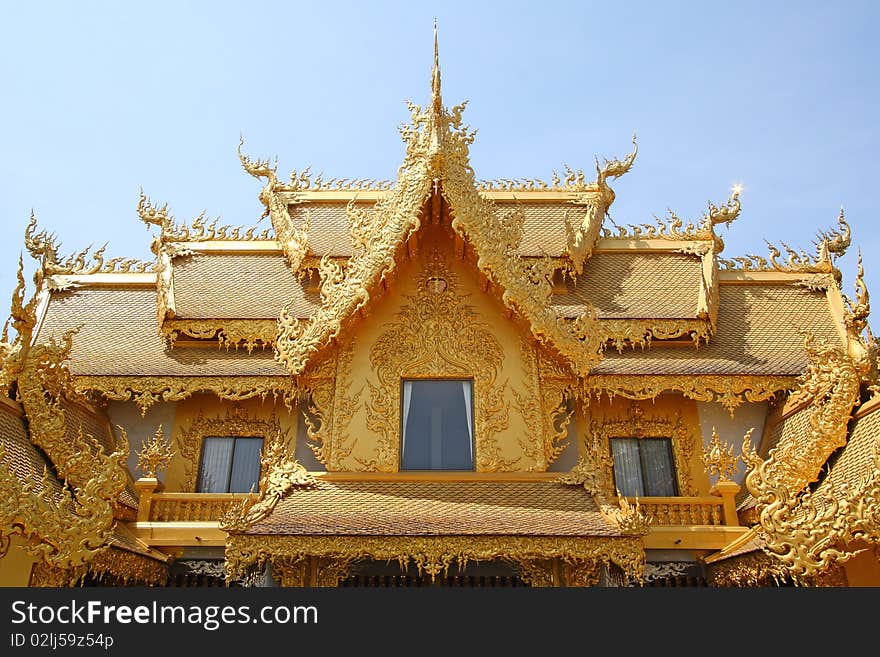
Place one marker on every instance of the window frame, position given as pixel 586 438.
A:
pixel 235 438
pixel 473 423
pixel 235 422
pixel 638 422
pixel 640 441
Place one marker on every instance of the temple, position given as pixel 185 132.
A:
pixel 439 381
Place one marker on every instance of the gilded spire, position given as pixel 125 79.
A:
pixel 435 113
pixel 436 97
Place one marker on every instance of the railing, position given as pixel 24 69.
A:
pixel 666 511
pixel 170 507
pixel 155 506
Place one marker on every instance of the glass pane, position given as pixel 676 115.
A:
pixel 627 468
pixel 214 466
pixel 658 467
pixel 246 465
pixel 437 434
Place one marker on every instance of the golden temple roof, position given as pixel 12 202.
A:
pixel 854 462
pixel 543 226
pixel 429 508
pixel 758 334
pixel 758 330
pixel 635 284
pixel 119 337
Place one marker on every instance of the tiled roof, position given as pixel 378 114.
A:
pixel 238 286
pixel 788 430
pixel 543 228
pixel 632 284
pixel 119 337
pixel 23 459
pixel 407 508
pixel 249 286
pixel 757 334
pixel 855 462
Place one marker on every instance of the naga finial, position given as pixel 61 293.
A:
pixel 616 168
pixel 257 168
pixel 857 311
pixel 153 215
pixel 834 243
pixel 726 213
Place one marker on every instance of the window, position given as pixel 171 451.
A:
pixel 229 465
pixel 644 467
pixel 436 420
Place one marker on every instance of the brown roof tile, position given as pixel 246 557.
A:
pixel 543 227
pixel 855 462
pixel 409 508
pixel 238 286
pixel 634 284
pixel 795 425
pixel 657 286
pixel 23 459
pixel 755 544
pixel 119 337
pixel 757 334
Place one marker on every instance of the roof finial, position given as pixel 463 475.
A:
pixel 436 100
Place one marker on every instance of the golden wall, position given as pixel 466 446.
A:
pixel 435 321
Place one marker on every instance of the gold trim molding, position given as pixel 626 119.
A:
pixel 147 390
pixel 247 333
pixel 728 390
pixel 433 554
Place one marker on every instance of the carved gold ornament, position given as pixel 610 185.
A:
pixel 200 230
pixel 598 437
pixel 629 517
pixel 122 567
pixel 236 422
pixel 675 229
pixel 431 554
pixel 279 474
pixel 748 570
pixel 147 390
pixel 64 527
pixel 236 333
pixel 810 532
pixel 830 387
pixel 729 391
pixel 623 333
pixel 832 243
pixel 437 335
pixel 155 454
pixel 293 239
pixel 437 162
pixel 43 247
pixel 719 459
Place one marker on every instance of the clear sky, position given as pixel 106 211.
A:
pixel 100 99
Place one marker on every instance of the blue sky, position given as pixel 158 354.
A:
pixel 101 99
